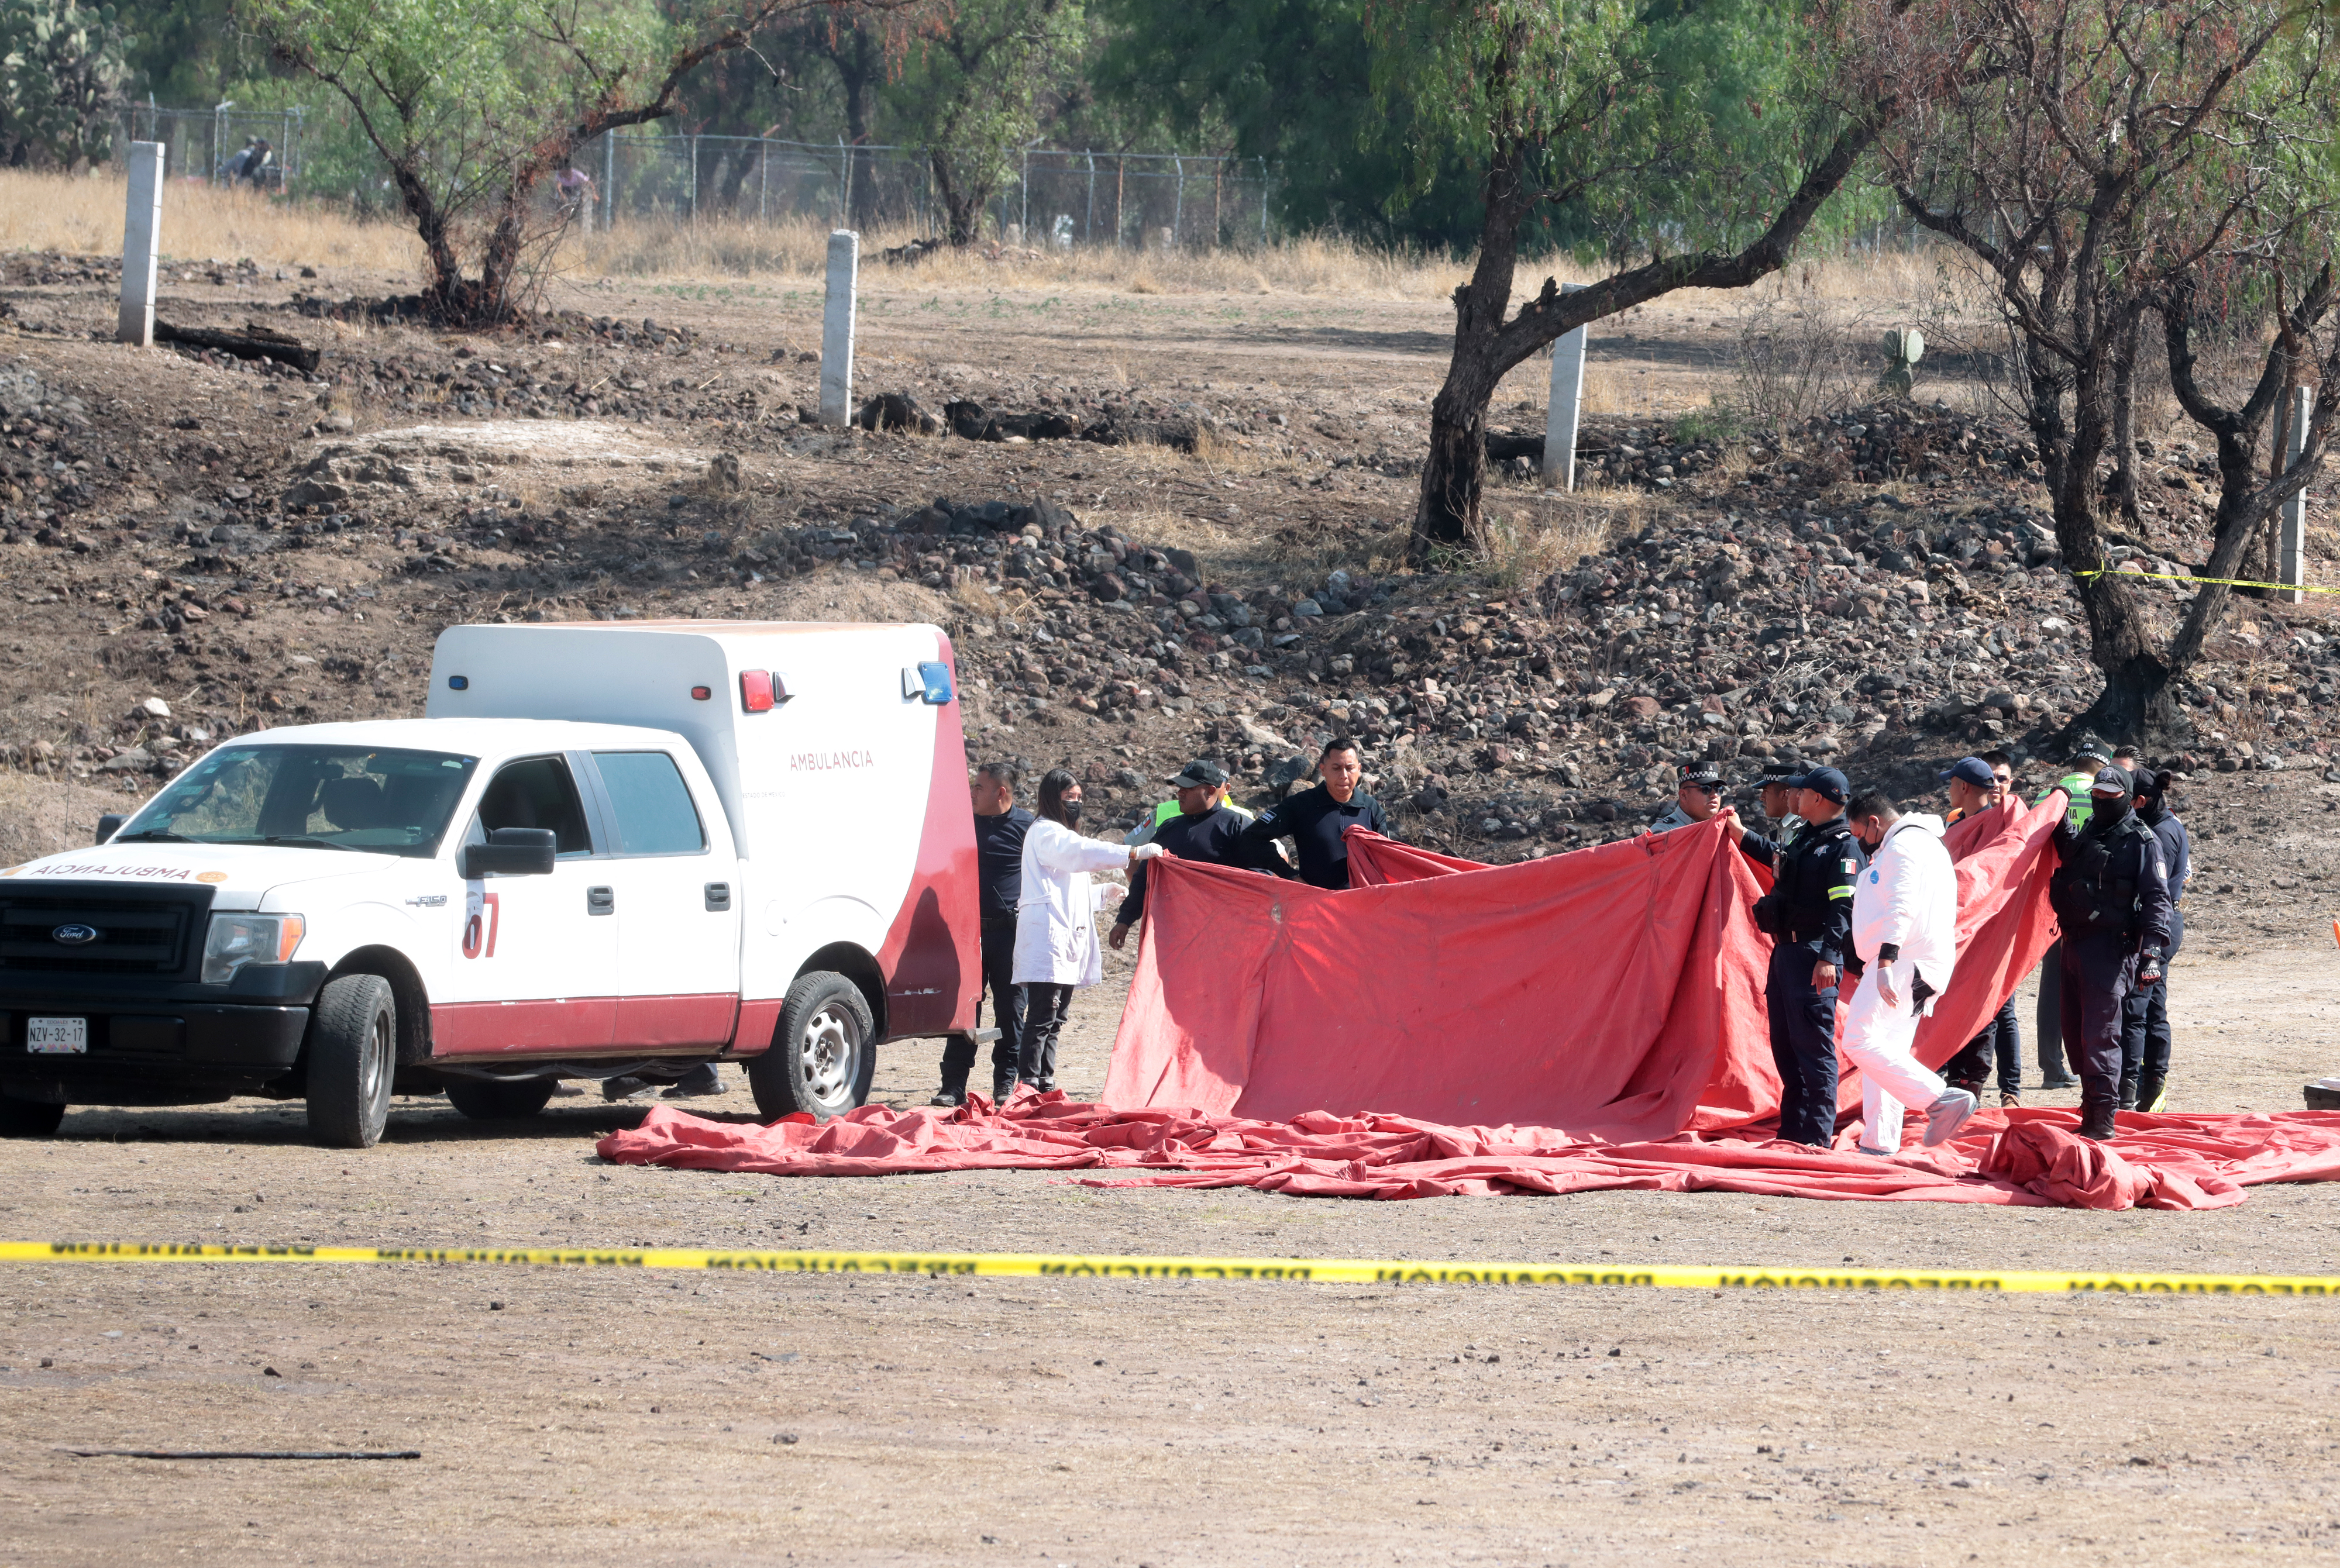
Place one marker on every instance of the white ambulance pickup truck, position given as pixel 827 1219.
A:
pixel 605 849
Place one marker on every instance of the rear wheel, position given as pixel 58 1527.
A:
pixel 498 1099
pixel 825 1054
pixel 29 1118
pixel 352 1053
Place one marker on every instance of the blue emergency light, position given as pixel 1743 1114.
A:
pixel 458 682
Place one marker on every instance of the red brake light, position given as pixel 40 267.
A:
pixel 701 694
pixel 755 691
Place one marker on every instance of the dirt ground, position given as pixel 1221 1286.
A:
pixel 605 1417
pixel 600 1417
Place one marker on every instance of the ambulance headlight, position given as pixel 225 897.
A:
pixel 238 940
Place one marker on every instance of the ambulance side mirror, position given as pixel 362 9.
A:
pixel 109 824
pixel 509 851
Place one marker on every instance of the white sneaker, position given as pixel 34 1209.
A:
pixel 1946 1115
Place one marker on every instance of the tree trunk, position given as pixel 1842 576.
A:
pixel 2124 491
pixel 2121 643
pixel 1447 516
pixel 962 209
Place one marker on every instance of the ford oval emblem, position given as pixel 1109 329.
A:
pixel 74 935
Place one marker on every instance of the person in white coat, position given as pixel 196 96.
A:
pixel 1056 949
pixel 1905 932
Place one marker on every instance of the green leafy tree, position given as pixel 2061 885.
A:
pixel 471 104
pixel 63 68
pixel 1700 136
pixel 1290 81
pixel 978 89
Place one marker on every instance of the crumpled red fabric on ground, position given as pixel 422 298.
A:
pixel 2022 1157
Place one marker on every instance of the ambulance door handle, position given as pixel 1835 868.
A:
pixel 718 896
pixel 600 901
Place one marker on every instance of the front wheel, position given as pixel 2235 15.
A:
pixel 29 1118
pixel 825 1054
pixel 352 1054
pixel 498 1099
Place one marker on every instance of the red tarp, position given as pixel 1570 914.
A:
pixel 1606 1004
pixel 1616 992
pixel 2021 1156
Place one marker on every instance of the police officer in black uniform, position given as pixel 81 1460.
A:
pixel 2111 896
pixel 1809 915
pixel 1000 825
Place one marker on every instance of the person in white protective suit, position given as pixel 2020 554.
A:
pixel 1905 932
pixel 1056 920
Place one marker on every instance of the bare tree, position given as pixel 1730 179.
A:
pixel 2100 158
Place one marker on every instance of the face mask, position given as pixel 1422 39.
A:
pixel 1872 846
pixel 1072 810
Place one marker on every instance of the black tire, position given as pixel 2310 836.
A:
pixel 824 1054
pixel 28 1118
pixel 352 1056
pixel 498 1099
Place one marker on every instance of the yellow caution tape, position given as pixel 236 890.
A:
pixel 1310 1270
pixel 2230 582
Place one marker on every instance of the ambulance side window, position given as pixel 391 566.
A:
pixel 649 803
pixel 537 792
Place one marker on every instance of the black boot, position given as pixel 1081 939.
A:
pixel 2128 1094
pixel 2097 1125
pixel 1003 1089
pixel 947 1095
pixel 2151 1091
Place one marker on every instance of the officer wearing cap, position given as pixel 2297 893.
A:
pixel 1697 795
pixel 2111 897
pixel 1977 784
pixel 1778 809
pixel 2048 1020
pixel 1205 829
pixel 1808 913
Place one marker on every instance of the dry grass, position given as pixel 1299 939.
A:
pixel 1531 539
pixel 83 216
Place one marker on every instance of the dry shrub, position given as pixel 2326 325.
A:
pixel 1534 539
pixel 82 215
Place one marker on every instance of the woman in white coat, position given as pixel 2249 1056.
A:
pixel 1056 948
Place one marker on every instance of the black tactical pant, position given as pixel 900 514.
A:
pixel 1803 1047
pixel 2048 1019
pixel 2097 973
pixel 2000 1042
pixel 2145 1043
pixel 1006 1014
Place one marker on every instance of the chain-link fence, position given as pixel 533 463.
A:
pixel 1051 197
pixel 225 146
pixel 1135 199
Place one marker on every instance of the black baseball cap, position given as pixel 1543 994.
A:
pixel 2110 779
pixel 1698 772
pixel 1200 774
pixel 1825 781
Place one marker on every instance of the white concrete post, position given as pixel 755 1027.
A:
pixel 1566 400
pixel 836 329
pixel 2291 543
pixel 142 244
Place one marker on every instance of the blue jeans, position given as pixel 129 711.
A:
pixel 1803 1046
